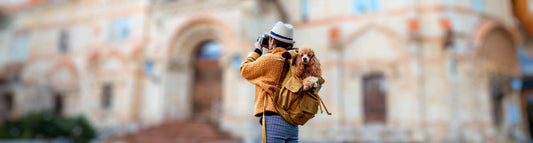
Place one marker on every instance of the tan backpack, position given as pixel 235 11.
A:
pixel 292 103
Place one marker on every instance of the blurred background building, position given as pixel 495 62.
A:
pixel 403 70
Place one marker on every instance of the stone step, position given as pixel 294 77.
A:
pixel 183 131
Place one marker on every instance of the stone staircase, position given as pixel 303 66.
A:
pixel 185 131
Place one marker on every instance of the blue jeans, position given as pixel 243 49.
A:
pixel 279 131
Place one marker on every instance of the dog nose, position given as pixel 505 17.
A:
pixel 305 59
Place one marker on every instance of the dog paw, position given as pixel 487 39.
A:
pixel 310 82
pixel 307 87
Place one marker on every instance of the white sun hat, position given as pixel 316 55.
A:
pixel 282 32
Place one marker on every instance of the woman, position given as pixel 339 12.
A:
pixel 264 70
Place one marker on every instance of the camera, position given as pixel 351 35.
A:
pixel 263 40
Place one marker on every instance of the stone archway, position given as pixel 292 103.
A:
pixel 498 53
pixel 63 82
pixel 498 59
pixel 184 66
pixel 207 87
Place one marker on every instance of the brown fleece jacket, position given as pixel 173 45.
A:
pixel 264 72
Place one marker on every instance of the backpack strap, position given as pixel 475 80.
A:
pixel 263 126
pixel 323 105
pixel 320 82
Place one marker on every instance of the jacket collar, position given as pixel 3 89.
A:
pixel 278 50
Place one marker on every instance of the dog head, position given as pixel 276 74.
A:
pixel 306 55
pixel 306 62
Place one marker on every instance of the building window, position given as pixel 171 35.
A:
pixel 63 41
pixel 8 106
pixel 107 93
pixel 119 29
pixel 8 101
pixel 58 104
pixel 365 6
pixel 20 48
pixel 149 67
pixel 477 5
pixel 448 39
pixel 305 10
pixel 374 91
pixel 374 5
pixel 452 67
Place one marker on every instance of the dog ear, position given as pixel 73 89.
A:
pixel 315 66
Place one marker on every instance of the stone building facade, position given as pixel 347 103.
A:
pixel 405 70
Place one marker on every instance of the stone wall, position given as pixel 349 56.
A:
pixel 434 91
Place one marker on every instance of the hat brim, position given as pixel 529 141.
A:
pixel 281 39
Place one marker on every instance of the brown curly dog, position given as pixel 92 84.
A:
pixel 307 67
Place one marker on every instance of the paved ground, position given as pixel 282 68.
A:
pixel 177 132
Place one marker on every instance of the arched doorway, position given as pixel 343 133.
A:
pixel 63 84
pixel 498 59
pixel 207 88
pixel 500 62
pixel 182 61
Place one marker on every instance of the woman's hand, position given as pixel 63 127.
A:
pixel 257 49
pixel 257 45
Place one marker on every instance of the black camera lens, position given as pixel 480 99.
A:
pixel 264 40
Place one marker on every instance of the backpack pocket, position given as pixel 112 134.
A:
pixel 309 104
pixel 289 92
pixel 308 107
pixel 293 84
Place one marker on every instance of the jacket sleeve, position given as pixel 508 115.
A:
pixel 253 68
